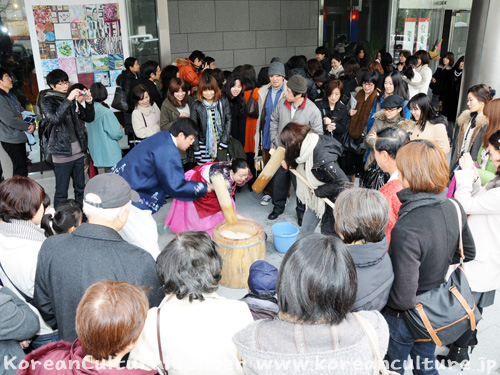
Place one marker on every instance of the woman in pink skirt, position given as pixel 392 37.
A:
pixel 205 213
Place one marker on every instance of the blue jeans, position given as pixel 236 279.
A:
pixel 42 340
pixel 401 345
pixel 63 172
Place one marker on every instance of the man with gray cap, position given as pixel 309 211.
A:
pixel 294 107
pixel 269 96
pixel 69 263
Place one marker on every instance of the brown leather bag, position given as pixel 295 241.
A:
pixel 252 107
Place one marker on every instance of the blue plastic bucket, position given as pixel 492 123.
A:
pixel 284 236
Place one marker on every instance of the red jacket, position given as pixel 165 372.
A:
pixel 187 71
pixel 389 191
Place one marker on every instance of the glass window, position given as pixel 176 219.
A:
pixel 143 30
pixel 421 24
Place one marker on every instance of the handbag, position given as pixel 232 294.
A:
pixel 252 107
pixel 353 145
pixel 158 336
pixel 379 366
pixel 119 101
pixel 375 177
pixel 445 313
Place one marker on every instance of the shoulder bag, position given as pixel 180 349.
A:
pixel 158 336
pixel 28 299
pixel 379 366
pixel 252 107
pixel 119 101
pixel 445 313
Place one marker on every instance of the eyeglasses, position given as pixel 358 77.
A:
pixel 6 77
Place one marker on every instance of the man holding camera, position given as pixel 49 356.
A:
pixel 67 139
pixel 190 69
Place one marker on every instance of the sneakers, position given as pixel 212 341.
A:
pixel 265 200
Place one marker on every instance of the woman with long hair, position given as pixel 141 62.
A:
pixel 424 243
pixel 403 55
pixel 212 115
pixel 428 124
pixel 361 57
pixel 412 77
pixel 450 94
pixel 177 104
pixel 251 92
pixel 487 169
pixel 233 89
pixel 471 123
pixel 315 157
pixel 394 85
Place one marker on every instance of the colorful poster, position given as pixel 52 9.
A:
pixel 409 34
pixel 423 33
pixel 85 40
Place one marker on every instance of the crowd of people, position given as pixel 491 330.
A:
pixel 85 282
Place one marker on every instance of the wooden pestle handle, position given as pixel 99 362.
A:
pixel 305 182
pixel 220 188
pixel 269 170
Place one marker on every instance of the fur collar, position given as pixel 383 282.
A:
pixel 464 118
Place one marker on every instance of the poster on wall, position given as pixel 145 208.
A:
pixel 409 34
pixel 85 40
pixel 423 33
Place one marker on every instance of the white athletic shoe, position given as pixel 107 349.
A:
pixel 265 200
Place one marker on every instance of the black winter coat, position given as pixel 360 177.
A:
pixel 125 81
pixel 199 116
pixel 339 115
pixel 57 114
pixel 424 243
pixel 238 119
pixel 326 169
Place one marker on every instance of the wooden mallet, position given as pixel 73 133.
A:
pixel 269 170
pixel 220 188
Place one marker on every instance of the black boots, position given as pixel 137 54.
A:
pixel 456 355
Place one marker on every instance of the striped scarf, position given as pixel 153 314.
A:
pixel 214 127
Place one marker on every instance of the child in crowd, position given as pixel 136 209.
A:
pixel 262 287
pixel 66 218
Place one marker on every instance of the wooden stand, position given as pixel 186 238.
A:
pixel 239 254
